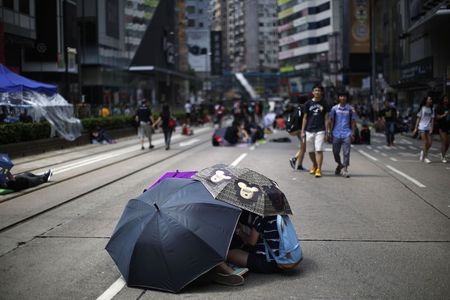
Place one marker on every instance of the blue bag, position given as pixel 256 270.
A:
pixel 290 252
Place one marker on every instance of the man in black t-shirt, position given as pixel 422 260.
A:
pixel 314 127
pixel 389 117
pixel 144 119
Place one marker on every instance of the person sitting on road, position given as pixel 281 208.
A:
pixel 98 136
pixel 235 134
pixel 22 181
pixel 247 247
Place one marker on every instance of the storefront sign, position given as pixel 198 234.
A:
pixel 422 69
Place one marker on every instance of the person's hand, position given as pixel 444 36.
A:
pixel 302 134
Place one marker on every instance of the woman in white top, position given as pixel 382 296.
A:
pixel 424 124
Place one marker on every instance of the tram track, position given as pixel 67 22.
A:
pixel 62 163
pixel 96 188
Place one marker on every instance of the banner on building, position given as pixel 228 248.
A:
pixel 360 26
pixel 216 52
pixel 198 46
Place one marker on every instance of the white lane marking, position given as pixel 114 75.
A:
pixel 393 159
pixel 379 147
pixel 408 154
pixel 376 151
pixel 328 150
pixel 183 144
pixel 416 182
pixel 238 160
pixel 401 147
pixel 406 142
pixel 369 147
pixel 384 154
pixel 434 149
pixel 113 289
pixel 412 148
pixel 448 168
pixel 112 154
pixel 386 147
pixel 367 155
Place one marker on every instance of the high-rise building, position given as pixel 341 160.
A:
pixel 198 35
pixel 252 40
pixel 309 40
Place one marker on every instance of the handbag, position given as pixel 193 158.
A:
pixel 172 123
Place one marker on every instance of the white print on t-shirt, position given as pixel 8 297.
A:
pixel 426 114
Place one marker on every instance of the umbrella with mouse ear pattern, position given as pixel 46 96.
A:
pixel 171 234
pixel 244 188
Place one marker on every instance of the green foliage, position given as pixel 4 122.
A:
pixel 21 132
pixel 114 122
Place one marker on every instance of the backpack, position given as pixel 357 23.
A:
pixel 294 121
pixel 290 252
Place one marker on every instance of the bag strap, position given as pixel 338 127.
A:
pixel 280 228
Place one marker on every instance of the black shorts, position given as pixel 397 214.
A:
pixel 258 263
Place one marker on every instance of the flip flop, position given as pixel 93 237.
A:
pixel 228 279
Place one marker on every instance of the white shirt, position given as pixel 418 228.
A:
pixel 426 114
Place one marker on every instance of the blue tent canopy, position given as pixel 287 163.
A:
pixel 12 82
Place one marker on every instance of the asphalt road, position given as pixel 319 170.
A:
pixel 384 233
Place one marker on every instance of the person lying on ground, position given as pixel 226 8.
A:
pixel 24 180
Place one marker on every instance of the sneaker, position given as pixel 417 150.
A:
pixel 427 160
pixel 300 167
pixel 443 159
pixel 151 147
pixel 312 171
pixel 318 173
pixel 48 175
pixel 345 174
pixel 421 156
pixel 142 148
pixel 228 279
pixel 292 162
pixel 239 271
pixel 338 170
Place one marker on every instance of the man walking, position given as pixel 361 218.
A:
pixel 389 117
pixel 313 128
pixel 342 126
pixel 144 119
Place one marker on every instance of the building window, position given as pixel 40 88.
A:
pixel 190 9
pixel 191 23
pixel 8 4
pixel 24 7
pixel 200 24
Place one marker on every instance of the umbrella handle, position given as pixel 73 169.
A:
pixel 156 206
pixel 176 172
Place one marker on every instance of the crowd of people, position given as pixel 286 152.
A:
pixel 337 125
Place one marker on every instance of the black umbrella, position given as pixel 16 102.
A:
pixel 172 234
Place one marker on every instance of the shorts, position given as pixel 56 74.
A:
pixel 144 130
pixel 426 131
pixel 258 263
pixel 315 141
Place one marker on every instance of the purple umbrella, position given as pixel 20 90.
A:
pixel 176 174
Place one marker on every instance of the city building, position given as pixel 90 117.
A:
pixel 249 43
pixel 94 50
pixel 310 36
pixel 417 63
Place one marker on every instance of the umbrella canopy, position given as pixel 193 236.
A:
pixel 176 174
pixel 172 234
pixel 245 188
pixel 5 161
pixel 12 82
